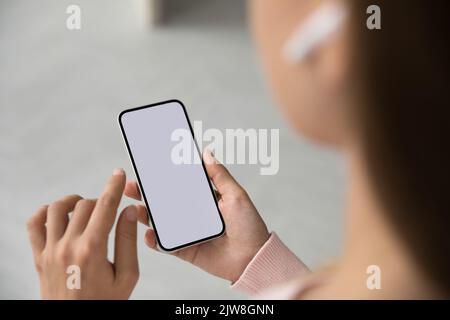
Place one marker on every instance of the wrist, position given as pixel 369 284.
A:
pixel 245 260
pixel 274 263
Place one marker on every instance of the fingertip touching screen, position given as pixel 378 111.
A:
pixel 177 193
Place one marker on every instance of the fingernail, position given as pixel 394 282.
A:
pixel 118 172
pixel 209 157
pixel 131 214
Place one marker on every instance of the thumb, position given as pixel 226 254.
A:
pixel 150 239
pixel 125 251
pixel 219 175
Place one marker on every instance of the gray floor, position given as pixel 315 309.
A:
pixel 60 92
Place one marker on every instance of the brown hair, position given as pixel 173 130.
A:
pixel 402 72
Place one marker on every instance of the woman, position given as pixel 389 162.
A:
pixel 376 95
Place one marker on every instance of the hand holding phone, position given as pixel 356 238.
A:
pixel 186 216
pixel 227 256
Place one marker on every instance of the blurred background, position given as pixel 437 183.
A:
pixel 60 93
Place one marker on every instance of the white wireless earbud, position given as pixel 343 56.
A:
pixel 322 23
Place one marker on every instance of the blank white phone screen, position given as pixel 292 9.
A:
pixel 179 197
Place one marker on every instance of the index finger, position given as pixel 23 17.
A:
pixel 105 211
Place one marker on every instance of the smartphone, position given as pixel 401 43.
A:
pixel 179 197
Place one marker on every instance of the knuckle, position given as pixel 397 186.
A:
pixel 237 199
pixel 224 170
pixel 88 248
pixel 73 196
pixel 56 206
pixel 239 195
pixel 83 203
pixel 107 200
pixel 220 175
pixel 33 220
pixel 63 254
pixel 84 255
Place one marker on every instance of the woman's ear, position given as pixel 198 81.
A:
pixel 308 89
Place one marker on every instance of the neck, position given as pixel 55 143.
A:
pixel 370 240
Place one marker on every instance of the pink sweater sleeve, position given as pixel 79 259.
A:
pixel 273 264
